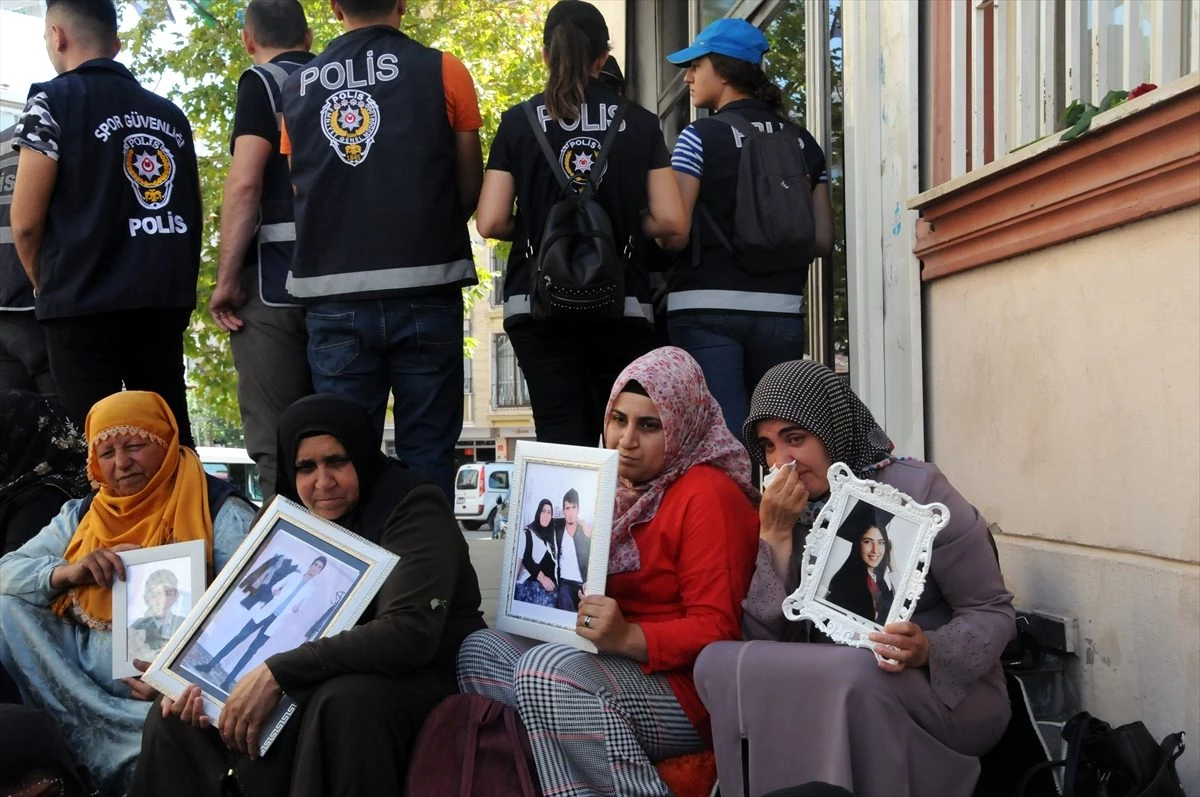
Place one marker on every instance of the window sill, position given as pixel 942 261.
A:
pixel 1139 160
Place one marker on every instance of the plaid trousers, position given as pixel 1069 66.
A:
pixel 596 723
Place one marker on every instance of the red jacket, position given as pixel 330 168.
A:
pixel 697 558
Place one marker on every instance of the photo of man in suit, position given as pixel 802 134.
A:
pixel 287 595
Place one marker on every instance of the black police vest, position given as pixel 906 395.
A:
pixel 712 280
pixel 123 228
pixel 16 291
pixel 275 239
pixel 378 212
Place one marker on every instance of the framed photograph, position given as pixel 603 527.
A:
pixel 295 577
pixel 161 585
pixel 865 560
pixel 556 547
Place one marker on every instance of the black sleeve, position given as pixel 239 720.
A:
pixel 498 156
pixel 253 115
pixel 28 513
pixel 815 158
pixel 411 606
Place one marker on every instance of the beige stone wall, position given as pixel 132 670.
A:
pixel 1063 399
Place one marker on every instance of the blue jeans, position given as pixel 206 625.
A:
pixel 412 346
pixel 735 351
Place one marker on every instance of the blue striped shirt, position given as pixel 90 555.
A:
pixel 688 156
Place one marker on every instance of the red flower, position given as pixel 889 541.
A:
pixel 1140 89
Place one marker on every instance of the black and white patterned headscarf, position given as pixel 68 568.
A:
pixel 810 395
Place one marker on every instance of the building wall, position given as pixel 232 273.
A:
pixel 1063 397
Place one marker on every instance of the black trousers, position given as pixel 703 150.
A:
pixel 95 356
pixel 351 736
pixel 570 369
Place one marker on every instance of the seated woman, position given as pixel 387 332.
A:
pixel 55 591
pixel 863 584
pixel 43 463
pixel 539 559
pixel 364 693
pixel 681 553
pixel 824 712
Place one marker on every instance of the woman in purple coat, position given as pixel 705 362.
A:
pixel 788 710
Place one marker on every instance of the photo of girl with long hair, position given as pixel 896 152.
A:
pixel 866 582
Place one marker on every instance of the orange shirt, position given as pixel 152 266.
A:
pixel 462 103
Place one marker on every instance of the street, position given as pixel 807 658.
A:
pixel 487 558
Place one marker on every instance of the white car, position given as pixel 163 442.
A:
pixel 480 489
pixel 234 466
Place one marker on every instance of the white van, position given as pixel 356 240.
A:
pixel 480 488
pixel 233 465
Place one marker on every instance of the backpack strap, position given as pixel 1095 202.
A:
pixel 606 146
pixel 540 135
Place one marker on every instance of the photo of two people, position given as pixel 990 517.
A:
pixel 554 555
pixel 553 547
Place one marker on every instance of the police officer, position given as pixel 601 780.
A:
pixel 24 364
pixel 570 365
pixel 737 324
pixel 384 138
pixel 106 218
pixel 258 234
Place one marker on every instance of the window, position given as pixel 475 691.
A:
pixel 496 265
pixel 498 480
pixel 508 387
pixel 1013 67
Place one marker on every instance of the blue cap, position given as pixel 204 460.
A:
pixel 735 38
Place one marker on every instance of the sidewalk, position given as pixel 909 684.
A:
pixel 487 556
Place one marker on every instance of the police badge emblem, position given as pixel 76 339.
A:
pixel 578 159
pixel 150 168
pixel 350 120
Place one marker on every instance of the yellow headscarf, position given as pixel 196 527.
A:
pixel 173 507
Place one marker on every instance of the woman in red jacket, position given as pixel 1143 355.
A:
pixel 681 555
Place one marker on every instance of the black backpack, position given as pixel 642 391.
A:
pixel 774 228
pixel 579 273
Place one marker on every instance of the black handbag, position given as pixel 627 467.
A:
pixel 1103 761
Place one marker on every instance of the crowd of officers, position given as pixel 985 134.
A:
pixel 343 230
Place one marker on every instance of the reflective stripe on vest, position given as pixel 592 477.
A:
pixel 737 301
pixel 275 233
pixel 403 278
pixel 518 305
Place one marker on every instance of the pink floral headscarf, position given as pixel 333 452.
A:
pixel 695 435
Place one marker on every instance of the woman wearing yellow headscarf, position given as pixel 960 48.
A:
pixel 56 590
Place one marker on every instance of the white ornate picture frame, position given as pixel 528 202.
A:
pixel 262 592
pixel 837 590
pixel 546 472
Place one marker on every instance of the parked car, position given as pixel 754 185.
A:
pixel 480 489
pixel 235 466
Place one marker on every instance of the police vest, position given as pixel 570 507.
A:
pixel 378 212
pixel 712 280
pixel 123 227
pixel 16 291
pixel 576 146
pixel 275 239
